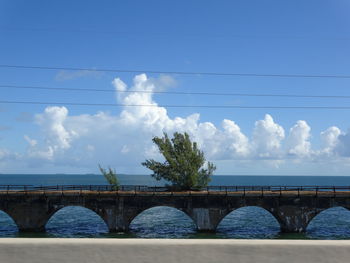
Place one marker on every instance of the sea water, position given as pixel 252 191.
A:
pixel 166 222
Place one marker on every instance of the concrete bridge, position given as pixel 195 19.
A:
pixel 293 209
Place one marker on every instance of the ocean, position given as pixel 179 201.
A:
pixel 166 222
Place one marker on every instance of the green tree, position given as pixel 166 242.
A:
pixel 183 165
pixel 111 176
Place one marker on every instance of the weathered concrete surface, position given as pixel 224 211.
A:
pixel 32 211
pixel 31 250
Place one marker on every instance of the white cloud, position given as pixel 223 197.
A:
pixel 329 139
pixel 6 155
pixel 31 142
pixel 267 137
pixel 163 82
pixel 233 143
pixel 342 146
pixel 124 140
pixel 52 122
pixel 3 154
pixel 298 140
pixel 37 154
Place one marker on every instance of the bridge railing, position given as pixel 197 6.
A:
pixel 163 189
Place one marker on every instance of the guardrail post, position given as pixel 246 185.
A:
pixel 243 191
pixel 316 191
pixel 226 190
pixel 334 192
pixel 262 191
pixel 280 191
pixel 298 192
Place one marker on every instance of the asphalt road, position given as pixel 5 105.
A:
pixel 47 250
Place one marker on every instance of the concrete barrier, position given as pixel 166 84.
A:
pixel 35 250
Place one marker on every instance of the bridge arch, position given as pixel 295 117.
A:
pixel 8 225
pixel 334 221
pixel 162 221
pixel 249 222
pixel 75 220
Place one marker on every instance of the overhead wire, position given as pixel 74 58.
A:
pixel 174 105
pixel 178 92
pixel 171 34
pixel 238 74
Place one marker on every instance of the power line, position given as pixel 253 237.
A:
pixel 181 92
pixel 172 34
pixel 178 72
pixel 177 106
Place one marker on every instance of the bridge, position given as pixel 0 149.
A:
pixel 293 207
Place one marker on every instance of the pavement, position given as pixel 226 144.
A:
pixel 62 250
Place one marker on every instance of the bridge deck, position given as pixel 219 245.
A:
pixel 179 193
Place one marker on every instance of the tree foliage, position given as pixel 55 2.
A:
pixel 183 162
pixel 111 176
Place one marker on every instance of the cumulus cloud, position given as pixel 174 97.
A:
pixel 222 144
pixel 330 139
pixel 342 144
pixel 237 141
pixel 124 140
pixel 298 140
pixel 163 82
pixel 267 137
pixel 52 123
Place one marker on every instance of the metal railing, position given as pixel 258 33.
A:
pixel 163 189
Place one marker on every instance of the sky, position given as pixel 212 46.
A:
pixel 269 37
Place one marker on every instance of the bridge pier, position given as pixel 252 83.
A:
pixel 30 218
pixel 116 222
pixel 294 219
pixel 117 217
pixel 207 219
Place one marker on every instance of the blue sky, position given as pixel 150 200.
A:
pixel 264 37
